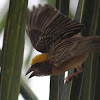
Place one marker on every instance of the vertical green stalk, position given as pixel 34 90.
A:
pixel 97 85
pixel 96 67
pixel 13 47
pixel 76 82
pixel 64 9
pixel 90 19
pixel 54 80
pixel 54 88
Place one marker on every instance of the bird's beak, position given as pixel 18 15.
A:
pixel 32 68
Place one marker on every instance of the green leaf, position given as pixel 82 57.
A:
pixel 76 82
pixel 26 92
pixel 0 56
pixel 97 74
pixel 29 56
pixel 54 88
pixel 64 9
pixel 13 48
pixel 54 80
pixel 2 24
pixel 90 19
pixel 0 71
pixel 52 2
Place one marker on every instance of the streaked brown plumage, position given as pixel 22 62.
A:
pixel 58 37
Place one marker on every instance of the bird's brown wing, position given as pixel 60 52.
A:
pixel 46 24
pixel 73 47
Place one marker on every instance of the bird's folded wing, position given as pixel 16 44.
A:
pixel 45 24
pixel 73 47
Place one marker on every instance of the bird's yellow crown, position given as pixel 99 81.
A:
pixel 39 58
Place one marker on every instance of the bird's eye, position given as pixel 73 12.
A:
pixel 37 64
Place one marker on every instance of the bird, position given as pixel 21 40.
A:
pixel 59 40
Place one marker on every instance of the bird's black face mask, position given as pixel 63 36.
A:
pixel 39 69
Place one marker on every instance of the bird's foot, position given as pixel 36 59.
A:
pixel 67 79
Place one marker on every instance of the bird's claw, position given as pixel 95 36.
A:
pixel 69 78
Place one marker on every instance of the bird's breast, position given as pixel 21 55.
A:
pixel 69 64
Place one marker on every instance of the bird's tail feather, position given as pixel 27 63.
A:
pixel 92 43
pixel 88 44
